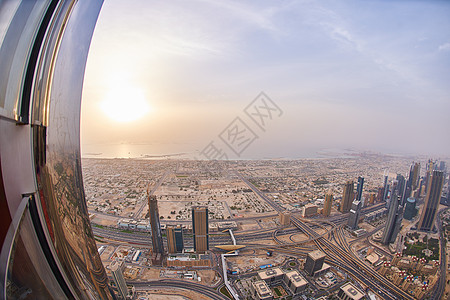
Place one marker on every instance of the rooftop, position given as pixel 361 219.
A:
pixel 261 288
pixel 352 291
pixel 316 255
pixel 266 274
pixel 296 279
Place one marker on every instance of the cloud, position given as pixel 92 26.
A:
pixel 444 47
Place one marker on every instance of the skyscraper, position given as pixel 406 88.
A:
pixel 285 218
pixel 414 174
pixel 432 199
pixel 327 204
pixel 157 241
pixel 314 262
pixel 200 228
pixel 448 193
pixel 359 188
pixel 347 197
pixel 393 223
pixel 116 268
pixel 401 187
pixel 385 188
pixel 429 171
pixel 410 209
pixel 174 239
pixel 354 215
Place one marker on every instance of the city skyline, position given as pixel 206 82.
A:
pixel 335 70
pixel 218 227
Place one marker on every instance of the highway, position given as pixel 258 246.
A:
pixel 155 187
pixel 143 238
pixel 341 255
pixel 338 253
pixel 179 284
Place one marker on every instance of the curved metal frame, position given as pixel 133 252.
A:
pixel 43 96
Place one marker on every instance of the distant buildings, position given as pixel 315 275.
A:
pixel 354 215
pixel 314 262
pixel 432 199
pixel 327 204
pixel 200 228
pixel 347 197
pixel 157 241
pixel 174 239
pixel 116 268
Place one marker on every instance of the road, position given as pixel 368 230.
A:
pixel 178 284
pixel 153 190
pixel 440 289
pixel 342 255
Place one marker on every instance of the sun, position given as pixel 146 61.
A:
pixel 125 104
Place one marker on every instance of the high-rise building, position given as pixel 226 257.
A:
pixel 359 188
pixel 157 241
pixel 285 218
pixel 372 198
pixel 428 216
pixel 314 262
pixel 48 248
pixel 200 228
pixel 410 209
pixel 414 175
pixel 347 197
pixel 116 268
pixel 401 187
pixel 327 204
pixel 380 194
pixel 398 221
pixel 395 216
pixel 353 219
pixel 429 171
pixel 174 239
pixel 448 193
pixel 385 188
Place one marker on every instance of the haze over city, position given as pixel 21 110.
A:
pixel 225 150
pixel 369 75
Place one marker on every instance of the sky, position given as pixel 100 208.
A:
pixel 166 77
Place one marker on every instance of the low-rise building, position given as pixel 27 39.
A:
pixel 295 282
pixel 404 263
pixel 261 290
pixel 350 292
pixel 271 275
pixel 185 260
